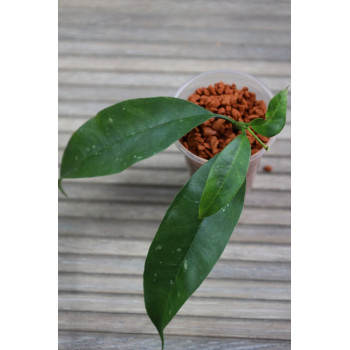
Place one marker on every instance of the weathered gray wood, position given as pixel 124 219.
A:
pixel 242 270
pixel 196 9
pixel 176 50
pixel 169 177
pixel 181 325
pixel 216 37
pixel 145 79
pixel 139 229
pixel 193 8
pixel 208 307
pixel 113 94
pixel 134 64
pixel 149 194
pixel 104 341
pixel 109 246
pixel 108 52
pixel 130 285
pixel 130 211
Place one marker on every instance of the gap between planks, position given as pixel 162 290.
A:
pixel 139 248
pixel 116 341
pixel 180 325
pixel 224 269
pixel 211 287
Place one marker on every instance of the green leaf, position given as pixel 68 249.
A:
pixel 185 249
pixel 226 176
pixel 128 132
pixel 275 116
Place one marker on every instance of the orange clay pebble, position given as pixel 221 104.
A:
pixel 215 134
pixel 267 168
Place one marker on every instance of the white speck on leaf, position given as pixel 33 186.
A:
pixel 178 249
pixel 185 264
pixel 110 120
pixel 171 282
pixel 158 247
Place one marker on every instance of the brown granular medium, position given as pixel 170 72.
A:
pixel 215 134
pixel 267 168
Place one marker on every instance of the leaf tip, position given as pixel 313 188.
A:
pixel 61 188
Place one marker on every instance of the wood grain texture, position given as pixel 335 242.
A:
pixel 202 307
pixel 108 246
pixel 181 325
pixel 130 285
pixel 112 50
pixel 146 229
pixel 224 269
pixel 99 341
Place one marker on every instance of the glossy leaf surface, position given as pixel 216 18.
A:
pixel 185 249
pixel 128 132
pixel 226 175
pixel 275 116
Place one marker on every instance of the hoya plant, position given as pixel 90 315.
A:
pixel 200 220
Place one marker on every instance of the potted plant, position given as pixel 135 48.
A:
pixel 200 220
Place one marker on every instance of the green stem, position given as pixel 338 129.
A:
pixel 238 125
pixel 257 138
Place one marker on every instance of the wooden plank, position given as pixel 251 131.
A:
pixel 204 307
pixel 124 247
pixel 143 33
pixel 110 228
pixel 193 8
pixel 175 50
pixel 131 211
pixel 114 94
pixel 130 285
pixel 190 66
pixel 180 325
pixel 176 161
pixel 145 79
pixel 166 177
pixel 148 194
pixel 93 341
pixel 226 269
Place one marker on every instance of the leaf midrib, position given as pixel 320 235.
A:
pixel 225 178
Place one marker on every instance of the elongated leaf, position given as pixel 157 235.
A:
pixel 226 176
pixel 128 132
pixel 185 249
pixel 275 116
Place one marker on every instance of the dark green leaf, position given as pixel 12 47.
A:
pixel 226 176
pixel 275 116
pixel 128 132
pixel 185 249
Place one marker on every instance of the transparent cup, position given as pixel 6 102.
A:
pixel 228 76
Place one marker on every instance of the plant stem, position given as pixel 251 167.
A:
pixel 238 125
pixel 257 138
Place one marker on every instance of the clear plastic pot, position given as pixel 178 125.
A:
pixel 228 77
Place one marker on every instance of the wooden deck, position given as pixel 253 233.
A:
pixel 111 50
